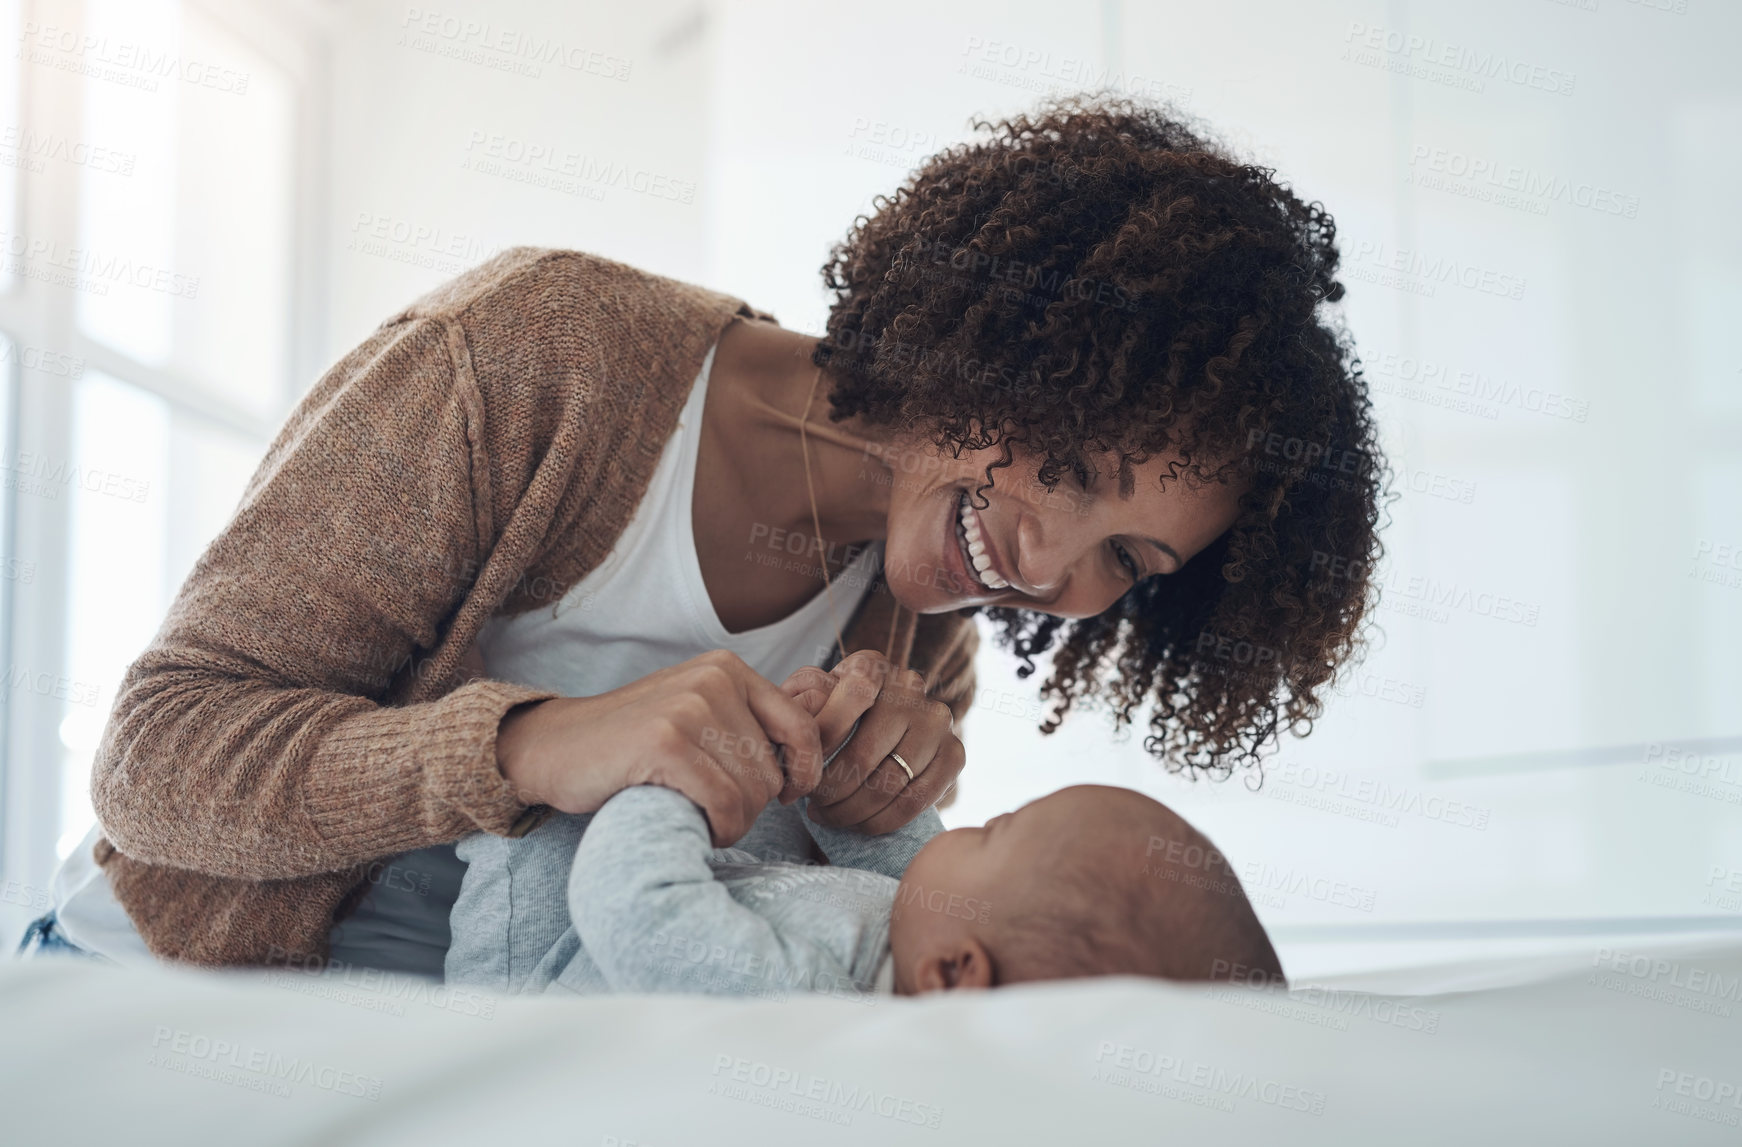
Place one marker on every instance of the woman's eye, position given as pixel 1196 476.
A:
pixel 1126 560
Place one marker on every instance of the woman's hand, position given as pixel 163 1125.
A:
pixel 707 728
pixel 864 788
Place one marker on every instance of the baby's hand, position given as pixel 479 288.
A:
pixel 810 687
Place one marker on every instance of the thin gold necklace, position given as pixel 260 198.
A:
pixel 816 522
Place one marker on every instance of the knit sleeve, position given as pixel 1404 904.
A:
pixel 253 738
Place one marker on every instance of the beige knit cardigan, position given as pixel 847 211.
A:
pixel 298 715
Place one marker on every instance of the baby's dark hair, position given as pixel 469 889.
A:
pixel 1169 906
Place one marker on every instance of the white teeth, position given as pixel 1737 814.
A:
pixel 979 560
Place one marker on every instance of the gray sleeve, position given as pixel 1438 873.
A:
pixel 889 854
pixel 779 834
pixel 512 908
pixel 641 891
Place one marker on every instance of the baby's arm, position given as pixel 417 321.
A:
pixel 645 902
pixel 889 854
pixel 512 911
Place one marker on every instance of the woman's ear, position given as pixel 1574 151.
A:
pixel 961 966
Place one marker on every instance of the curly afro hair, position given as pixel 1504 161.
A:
pixel 1098 277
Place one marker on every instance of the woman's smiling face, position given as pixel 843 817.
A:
pixel 1071 552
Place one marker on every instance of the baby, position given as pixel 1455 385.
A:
pixel 1089 881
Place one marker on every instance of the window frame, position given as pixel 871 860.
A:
pixel 296 40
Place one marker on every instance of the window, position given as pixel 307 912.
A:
pixel 149 152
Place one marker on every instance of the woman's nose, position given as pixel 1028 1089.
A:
pixel 1043 556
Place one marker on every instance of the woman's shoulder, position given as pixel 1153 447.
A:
pixel 559 290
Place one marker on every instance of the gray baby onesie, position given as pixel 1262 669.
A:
pixel 634 898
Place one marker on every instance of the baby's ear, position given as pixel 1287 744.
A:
pixel 810 687
pixel 957 965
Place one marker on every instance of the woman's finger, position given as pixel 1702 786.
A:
pixel 788 725
pixel 925 790
pixel 811 688
pixel 887 780
pixel 881 728
pixel 714 790
pixel 853 694
pixel 900 704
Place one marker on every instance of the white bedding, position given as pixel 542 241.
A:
pixel 92 1054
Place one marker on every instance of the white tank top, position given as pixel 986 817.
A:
pixel 642 609
pixel 645 608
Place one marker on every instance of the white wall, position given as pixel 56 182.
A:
pixel 1611 223
pixel 458 130
pixel 792 116
pixel 779 121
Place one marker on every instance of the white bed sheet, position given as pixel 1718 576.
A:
pixel 94 1054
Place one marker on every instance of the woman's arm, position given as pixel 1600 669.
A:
pixel 250 740
pixel 266 734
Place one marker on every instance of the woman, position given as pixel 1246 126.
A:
pixel 1075 376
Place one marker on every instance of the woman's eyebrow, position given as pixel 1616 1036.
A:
pixel 1128 486
pixel 1165 548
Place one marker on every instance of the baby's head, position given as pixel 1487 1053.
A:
pixel 1090 881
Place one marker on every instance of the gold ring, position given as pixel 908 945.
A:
pixel 904 765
